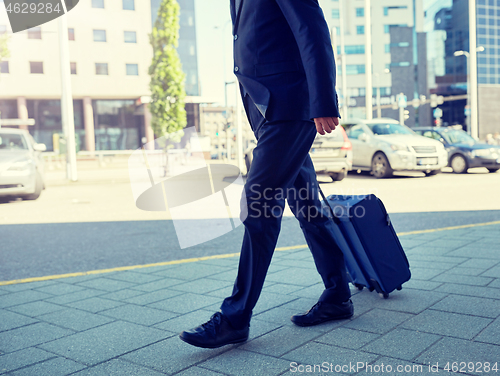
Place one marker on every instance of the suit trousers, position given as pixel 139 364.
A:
pixel 282 169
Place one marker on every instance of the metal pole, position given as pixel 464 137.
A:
pixel 468 122
pixel 67 115
pixel 343 62
pixel 368 62
pixel 474 126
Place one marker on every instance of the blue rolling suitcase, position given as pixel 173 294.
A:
pixel 373 254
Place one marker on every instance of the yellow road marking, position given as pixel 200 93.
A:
pixel 214 257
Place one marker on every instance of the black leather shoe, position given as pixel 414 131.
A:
pixel 322 312
pixel 216 332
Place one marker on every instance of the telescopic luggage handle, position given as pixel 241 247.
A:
pixel 334 217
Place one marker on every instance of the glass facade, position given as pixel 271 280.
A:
pixel 488 36
pixel 118 124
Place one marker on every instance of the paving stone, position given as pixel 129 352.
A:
pixel 38 308
pixel 278 315
pixel 281 341
pixel 436 258
pixel 122 295
pixel 462 279
pixel 152 297
pixel 431 265
pixel 201 286
pixel 16 287
pixel 75 319
pixel 52 367
pixel 259 328
pixel 138 278
pixel 314 353
pixel 106 284
pixel 224 262
pixel 450 243
pixel 23 358
pixel 185 303
pixel 240 363
pixel 281 288
pixel 447 324
pixel 171 355
pixel 137 314
pixel 119 368
pixel 274 268
pixel 493 272
pixel 222 293
pixel 425 273
pixel 229 276
pixel 491 333
pixel 402 344
pixel 198 371
pixel 22 297
pixel 478 291
pixel 406 300
pixel 268 300
pixel 411 243
pixel 470 306
pixel 421 285
pixel 95 304
pixel 104 342
pixel 425 249
pixel 178 323
pixel 313 291
pixel 487 252
pixel 495 283
pixel 60 289
pixel 306 264
pixel 479 264
pixel 465 271
pixel 378 321
pixel 301 277
pixel 12 320
pixel 75 297
pixel 191 271
pixel 160 284
pixel 462 351
pixel 398 367
pixel 349 338
pixel 30 335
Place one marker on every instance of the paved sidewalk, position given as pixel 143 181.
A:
pixel 127 322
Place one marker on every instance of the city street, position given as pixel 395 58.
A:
pixel 93 223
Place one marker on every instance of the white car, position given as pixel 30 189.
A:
pixel 383 146
pixel 21 164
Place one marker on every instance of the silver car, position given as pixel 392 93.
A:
pixel 21 165
pixel 383 146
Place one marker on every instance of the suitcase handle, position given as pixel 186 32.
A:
pixel 334 217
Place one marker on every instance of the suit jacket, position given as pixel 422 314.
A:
pixel 283 58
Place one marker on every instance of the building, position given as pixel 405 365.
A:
pixel 452 17
pixel 110 55
pixel 398 51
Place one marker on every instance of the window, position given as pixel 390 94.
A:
pixel 132 69
pixel 335 14
pixel 4 67
pixel 99 35
pixel 386 9
pixel 101 69
pixel 360 12
pixel 98 4
pixel 71 34
pixel 130 36
pixel 72 68
pixel 35 33
pixel 36 67
pixel 360 29
pixel 128 5
pixel 353 69
pixel 352 50
pixel 387 28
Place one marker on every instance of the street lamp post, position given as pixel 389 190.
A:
pixel 368 61
pixel 471 102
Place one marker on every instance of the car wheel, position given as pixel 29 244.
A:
pixel 38 189
pixel 337 176
pixel 432 173
pixel 380 166
pixel 493 169
pixel 459 164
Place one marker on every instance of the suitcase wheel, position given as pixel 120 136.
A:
pixel 371 289
pixel 399 288
pixel 384 295
pixel 358 286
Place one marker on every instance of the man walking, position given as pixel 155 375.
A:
pixel 284 63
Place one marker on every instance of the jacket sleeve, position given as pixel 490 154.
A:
pixel 307 22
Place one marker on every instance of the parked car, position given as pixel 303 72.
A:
pixel 21 164
pixel 331 154
pixel 464 152
pixel 383 146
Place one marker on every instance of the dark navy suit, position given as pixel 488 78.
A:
pixel 284 63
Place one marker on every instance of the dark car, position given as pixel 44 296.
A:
pixel 464 152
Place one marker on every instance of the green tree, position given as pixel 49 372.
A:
pixel 167 78
pixel 4 50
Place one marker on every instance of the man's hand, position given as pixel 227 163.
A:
pixel 326 124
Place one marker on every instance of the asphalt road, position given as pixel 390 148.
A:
pixel 94 224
